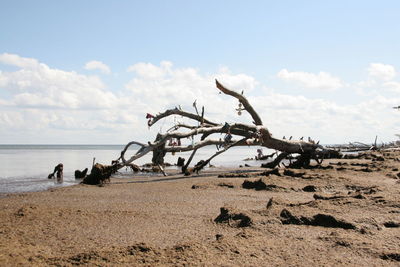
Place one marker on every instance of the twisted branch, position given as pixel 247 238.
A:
pixel 180 112
pixel 251 135
pixel 249 108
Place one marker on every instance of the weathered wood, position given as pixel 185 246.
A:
pixel 251 135
pixel 182 113
pixel 204 163
pixel 243 100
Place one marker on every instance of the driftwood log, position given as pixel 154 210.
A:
pixel 255 134
pixel 100 174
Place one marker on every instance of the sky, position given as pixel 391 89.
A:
pixel 87 72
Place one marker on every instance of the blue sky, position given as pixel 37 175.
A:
pixel 249 36
pixel 255 39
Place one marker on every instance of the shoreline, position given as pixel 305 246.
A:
pixel 170 220
pixel 44 184
pixel 27 169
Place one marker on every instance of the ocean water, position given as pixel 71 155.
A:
pixel 25 168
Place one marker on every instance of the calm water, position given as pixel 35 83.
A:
pixel 26 167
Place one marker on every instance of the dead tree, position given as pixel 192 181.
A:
pixel 255 134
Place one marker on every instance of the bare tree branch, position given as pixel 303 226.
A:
pixel 243 100
pixel 191 127
pixel 252 135
pixel 180 112
pixel 197 145
pixel 184 168
pixel 202 165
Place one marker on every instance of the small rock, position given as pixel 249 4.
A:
pixel 219 236
pixel 261 185
pixel 229 215
pixel 226 185
pixel 310 188
pixel 21 212
pixel 270 202
pixel 342 243
pixel 359 196
pixel 391 224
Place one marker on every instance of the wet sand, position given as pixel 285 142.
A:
pixel 345 214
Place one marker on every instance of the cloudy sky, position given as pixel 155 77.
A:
pixel 87 72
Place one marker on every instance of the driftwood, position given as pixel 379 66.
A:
pixel 81 174
pixel 100 174
pixel 59 171
pixel 359 146
pixel 255 134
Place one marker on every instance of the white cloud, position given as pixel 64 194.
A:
pixel 43 102
pixel 37 85
pixel 151 71
pixel 98 65
pixel 381 71
pixel 326 120
pixel 160 87
pixel 16 60
pixel 322 80
pixel 392 86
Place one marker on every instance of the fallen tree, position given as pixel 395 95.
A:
pixel 255 134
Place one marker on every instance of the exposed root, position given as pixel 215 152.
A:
pixel 391 256
pixel 99 174
pixel 323 220
pixel 233 218
pixel 391 224
pixel 291 173
pixel 261 185
pixel 81 174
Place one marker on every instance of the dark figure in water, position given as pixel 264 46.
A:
pixel 58 170
pixel 81 174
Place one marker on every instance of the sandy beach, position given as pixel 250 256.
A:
pixel 346 213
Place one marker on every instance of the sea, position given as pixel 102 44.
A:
pixel 25 168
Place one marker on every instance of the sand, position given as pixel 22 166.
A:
pixel 346 214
